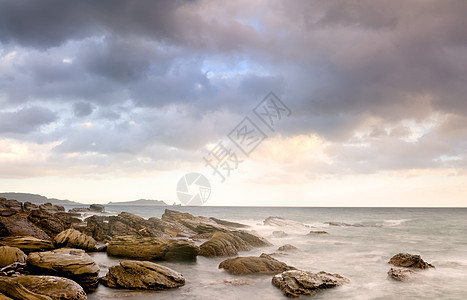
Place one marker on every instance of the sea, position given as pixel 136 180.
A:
pixel 360 254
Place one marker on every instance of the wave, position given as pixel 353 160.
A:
pixel 392 223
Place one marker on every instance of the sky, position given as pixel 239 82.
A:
pixel 117 100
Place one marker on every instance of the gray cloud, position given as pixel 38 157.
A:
pixel 25 120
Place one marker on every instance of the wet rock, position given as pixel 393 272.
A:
pixel 409 261
pixel 27 243
pixel 14 270
pixel 19 225
pixel 297 282
pixel 97 208
pixel 6 212
pixel 74 239
pixel 48 222
pixel 9 255
pixel 223 244
pixel 229 223
pixel 50 208
pixel 264 264
pixel 151 248
pixel 400 274
pixel 74 264
pixel 41 288
pixel 98 228
pixel 144 275
pixel 280 222
pixel 317 232
pixel 28 206
pixel 10 204
pixel 279 234
pixel 287 247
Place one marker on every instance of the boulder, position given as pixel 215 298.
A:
pixel 50 208
pixel 41 288
pixel 48 222
pixel 223 244
pixel 317 232
pixel 297 282
pixel 151 248
pixel 74 264
pixel 97 208
pixel 144 275
pixel 409 261
pixel 19 225
pixel 72 238
pixel 279 234
pixel 27 243
pixel 14 270
pixel 10 204
pixel 9 255
pixel 98 228
pixel 287 247
pixel 264 264
pixel 400 274
pixel 28 206
pixel 229 223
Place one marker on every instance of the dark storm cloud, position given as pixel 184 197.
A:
pixel 182 73
pixel 25 120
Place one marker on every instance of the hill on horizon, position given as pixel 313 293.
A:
pixel 143 202
pixel 35 198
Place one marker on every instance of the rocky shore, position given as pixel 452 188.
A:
pixel 44 252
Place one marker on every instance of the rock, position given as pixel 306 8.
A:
pixel 48 222
pixel 316 232
pixel 400 274
pixel 10 204
pixel 287 247
pixel 28 206
pixel 50 208
pixel 14 270
pixel 97 208
pixel 281 222
pixel 19 225
pixel 223 244
pixel 229 223
pixel 297 282
pixel 264 264
pixel 79 210
pixel 342 224
pixel 74 264
pixel 229 243
pixel 409 261
pixel 41 287
pixel 6 212
pixel 279 234
pixel 9 255
pixel 27 243
pixel 74 239
pixel 151 248
pixel 144 275
pixel 98 228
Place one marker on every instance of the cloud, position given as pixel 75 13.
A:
pixel 25 120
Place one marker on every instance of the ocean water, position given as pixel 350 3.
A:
pixel 358 253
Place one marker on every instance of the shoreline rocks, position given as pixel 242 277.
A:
pixel 407 260
pixel 142 275
pixel 151 248
pixel 27 243
pixel 296 283
pixel 74 264
pixel 9 255
pixel 400 274
pixel 264 264
pixel 74 239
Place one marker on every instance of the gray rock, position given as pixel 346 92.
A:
pixel 9 255
pixel 97 208
pixel 279 234
pixel 281 222
pixel 409 261
pixel 74 239
pixel 287 247
pixel 264 264
pixel 74 264
pixel 317 232
pixel 142 275
pixel 297 282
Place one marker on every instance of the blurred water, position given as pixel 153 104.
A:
pixel 358 253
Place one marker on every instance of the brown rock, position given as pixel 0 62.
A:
pixel 74 239
pixel 223 244
pixel 317 232
pixel 74 264
pixel 9 255
pixel 400 274
pixel 297 282
pixel 27 243
pixel 48 222
pixel 264 264
pixel 151 248
pixel 19 225
pixel 287 247
pixel 409 261
pixel 42 287
pixel 145 275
